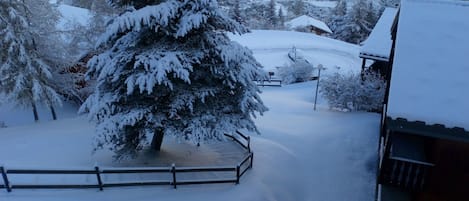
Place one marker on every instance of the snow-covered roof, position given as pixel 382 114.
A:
pixel 378 44
pixel 430 76
pixel 303 21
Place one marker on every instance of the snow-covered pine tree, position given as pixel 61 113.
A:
pixel 338 21
pixel 272 18
pixel 363 17
pixel 298 7
pixel 43 18
pixel 24 76
pixel 356 25
pixel 170 69
pixel 281 19
pixel 237 15
pixel 233 9
pixel 340 9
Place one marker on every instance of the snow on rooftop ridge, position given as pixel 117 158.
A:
pixel 303 21
pixel 378 44
pixel 429 80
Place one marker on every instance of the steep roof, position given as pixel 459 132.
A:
pixel 303 21
pixel 430 75
pixel 378 44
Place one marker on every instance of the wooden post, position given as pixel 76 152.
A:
pixel 237 173
pixel 173 170
pixel 320 67
pixel 98 176
pixel 5 179
pixel 249 144
pixel 363 65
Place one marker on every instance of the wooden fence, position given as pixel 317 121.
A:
pixel 171 173
pixel 269 83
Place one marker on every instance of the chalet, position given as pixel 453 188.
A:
pixel 308 24
pixel 424 143
pixel 377 47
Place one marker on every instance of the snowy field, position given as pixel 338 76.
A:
pixel 301 154
pixel 271 49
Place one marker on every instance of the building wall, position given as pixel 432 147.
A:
pixel 449 179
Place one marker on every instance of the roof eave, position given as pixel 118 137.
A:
pixel 421 128
pixel 373 57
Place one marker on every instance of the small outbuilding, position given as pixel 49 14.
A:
pixel 306 23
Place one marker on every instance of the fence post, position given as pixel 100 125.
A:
pixel 249 143
pixel 252 158
pixel 5 179
pixel 98 176
pixel 237 173
pixel 173 170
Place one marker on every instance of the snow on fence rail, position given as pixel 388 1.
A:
pixel 269 83
pixel 169 174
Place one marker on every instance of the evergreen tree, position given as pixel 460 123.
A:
pixel 338 20
pixel 237 15
pixel 43 17
pixel 298 7
pixel 281 19
pixel 340 9
pixel 356 25
pixel 363 17
pixel 24 75
pixel 256 15
pixel 170 69
pixel 272 20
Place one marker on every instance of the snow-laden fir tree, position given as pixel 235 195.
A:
pixel 338 20
pixel 170 69
pixel 363 16
pixel 234 9
pixel 356 25
pixel 44 17
pixel 25 77
pixel 237 14
pixel 281 19
pixel 298 7
pixel 272 18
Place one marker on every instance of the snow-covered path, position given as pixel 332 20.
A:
pixel 301 155
pixel 332 154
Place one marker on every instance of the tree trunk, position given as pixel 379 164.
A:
pixel 157 139
pixel 52 110
pixel 36 116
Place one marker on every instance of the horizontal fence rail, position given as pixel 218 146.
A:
pixel 269 83
pixel 171 173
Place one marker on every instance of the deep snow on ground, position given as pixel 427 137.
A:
pixel 271 48
pixel 24 115
pixel 301 154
